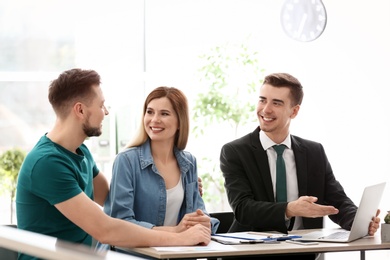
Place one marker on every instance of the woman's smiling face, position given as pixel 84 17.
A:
pixel 160 120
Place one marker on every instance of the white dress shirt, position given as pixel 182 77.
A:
pixel 291 170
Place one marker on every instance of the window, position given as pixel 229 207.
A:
pixel 139 45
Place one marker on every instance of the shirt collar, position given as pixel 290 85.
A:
pixel 266 142
pixel 146 158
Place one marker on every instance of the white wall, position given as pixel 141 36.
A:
pixel 344 72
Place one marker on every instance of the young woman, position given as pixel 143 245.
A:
pixel 154 182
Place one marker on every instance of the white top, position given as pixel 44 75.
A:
pixel 175 198
pixel 291 169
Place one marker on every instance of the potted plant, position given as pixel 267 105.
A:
pixel 385 229
pixel 10 163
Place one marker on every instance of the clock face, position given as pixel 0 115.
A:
pixel 303 20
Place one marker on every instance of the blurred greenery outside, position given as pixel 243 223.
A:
pixel 229 77
pixel 10 163
pixel 225 100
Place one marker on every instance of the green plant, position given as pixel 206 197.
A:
pixel 10 163
pixel 387 218
pixel 231 75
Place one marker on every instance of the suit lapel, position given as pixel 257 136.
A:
pixel 300 154
pixel 262 164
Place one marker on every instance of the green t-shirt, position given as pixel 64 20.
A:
pixel 51 174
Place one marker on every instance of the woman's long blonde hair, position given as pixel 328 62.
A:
pixel 180 106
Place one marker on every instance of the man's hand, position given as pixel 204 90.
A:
pixel 305 206
pixel 200 186
pixel 191 219
pixel 374 224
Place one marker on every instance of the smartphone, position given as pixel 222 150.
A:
pixel 302 242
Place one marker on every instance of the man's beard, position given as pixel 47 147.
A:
pixel 91 131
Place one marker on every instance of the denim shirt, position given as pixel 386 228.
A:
pixel 138 193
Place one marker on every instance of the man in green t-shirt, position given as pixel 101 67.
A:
pixel 59 184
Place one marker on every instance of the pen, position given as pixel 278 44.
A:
pixel 284 238
pixel 254 241
pixel 267 234
pixel 278 237
pixel 259 241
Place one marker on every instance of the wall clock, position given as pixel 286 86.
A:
pixel 303 20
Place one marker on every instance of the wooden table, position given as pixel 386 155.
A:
pixel 362 245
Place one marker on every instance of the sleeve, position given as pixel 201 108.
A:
pixel 192 191
pixel 54 180
pixel 246 191
pixel 87 153
pixel 95 170
pixel 120 203
pixel 336 196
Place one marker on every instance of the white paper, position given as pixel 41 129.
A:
pixel 212 246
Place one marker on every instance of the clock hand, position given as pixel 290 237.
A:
pixel 301 24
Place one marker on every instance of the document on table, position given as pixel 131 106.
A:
pixel 212 246
pixel 223 241
pixel 237 238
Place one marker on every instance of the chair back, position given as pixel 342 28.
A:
pixel 8 254
pixel 226 220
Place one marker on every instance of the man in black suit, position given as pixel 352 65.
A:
pixel 249 168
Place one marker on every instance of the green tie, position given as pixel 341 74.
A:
pixel 281 188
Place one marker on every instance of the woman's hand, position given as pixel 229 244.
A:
pixel 192 219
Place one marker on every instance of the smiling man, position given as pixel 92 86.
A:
pixel 249 166
pixel 59 184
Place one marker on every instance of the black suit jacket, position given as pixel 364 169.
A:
pixel 244 164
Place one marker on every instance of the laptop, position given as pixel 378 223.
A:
pixel 367 210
